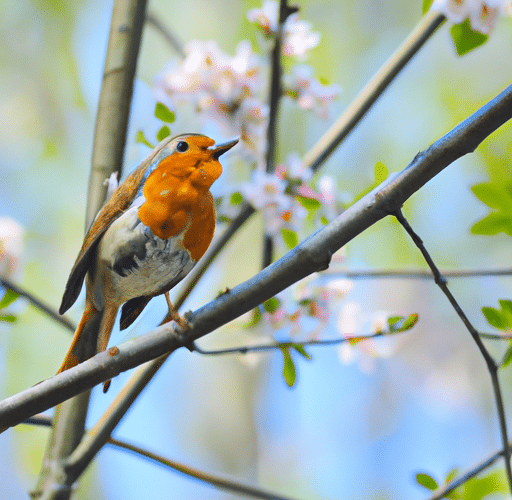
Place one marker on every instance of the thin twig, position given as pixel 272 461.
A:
pixel 278 345
pixel 491 364
pixel 275 94
pixel 231 486
pixel 416 274
pixel 168 35
pixel 372 90
pixel 38 303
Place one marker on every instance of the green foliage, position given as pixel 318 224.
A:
pixel 256 318
pixel 289 370
pixel 465 39
pixel 162 112
pixel 141 138
pixel 164 132
pixel 426 481
pixel 8 298
pixel 479 487
pixel 398 324
pixel 290 238
pixel 236 198
pixel 426 5
pixel 381 172
pixel 308 203
pixel 499 318
pixel 272 305
pixel 499 198
pixel 476 488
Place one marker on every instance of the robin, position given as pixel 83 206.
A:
pixel 146 239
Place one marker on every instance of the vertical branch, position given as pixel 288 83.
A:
pixel 274 98
pixel 109 142
pixel 115 99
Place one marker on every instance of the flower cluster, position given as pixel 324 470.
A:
pixel 285 198
pixel 229 90
pixel 482 14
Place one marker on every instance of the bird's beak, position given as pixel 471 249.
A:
pixel 220 149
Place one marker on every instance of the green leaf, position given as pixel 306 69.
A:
pixel 465 39
pixel 141 138
pixel 10 318
pixel 9 297
pixel 308 203
pixel 495 318
pixel 493 196
pixel 224 218
pixel 162 112
pixel 494 223
pixel 451 475
pixel 381 172
pixel 300 349
pixel 507 358
pixel 164 132
pixel 402 323
pixel 506 309
pixel 479 487
pixel 426 5
pixel 426 481
pixel 236 198
pixel 324 220
pixel 289 372
pixel 256 318
pixel 272 305
pixel 290 238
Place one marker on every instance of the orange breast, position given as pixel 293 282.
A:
pixel 175 202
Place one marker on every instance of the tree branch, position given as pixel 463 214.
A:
pixel 311 255
pixel 223 484
pixel 372 91
pixel 38 303
pixel 491 364
pixel 107 157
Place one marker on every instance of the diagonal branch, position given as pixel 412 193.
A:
pixel 216 481
pixel 38 303
pixel 491 364
pixel 310 256
pixel 372 90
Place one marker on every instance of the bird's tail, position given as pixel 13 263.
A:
pixel 91 336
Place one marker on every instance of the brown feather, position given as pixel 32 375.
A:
pixel 121 199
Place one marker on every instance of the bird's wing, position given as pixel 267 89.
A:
pixel 121 199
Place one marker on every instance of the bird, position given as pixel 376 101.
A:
pixel 146 238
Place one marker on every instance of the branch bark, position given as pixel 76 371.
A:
pixel 107 157
pixel 310 256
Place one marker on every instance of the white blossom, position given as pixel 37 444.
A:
pixel 483 14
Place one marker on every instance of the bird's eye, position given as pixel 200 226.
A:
pixel 182 146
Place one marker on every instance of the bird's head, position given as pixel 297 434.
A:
pixel 195 158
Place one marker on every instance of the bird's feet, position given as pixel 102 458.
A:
pixel 174 315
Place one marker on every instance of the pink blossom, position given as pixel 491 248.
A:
pixel 11 247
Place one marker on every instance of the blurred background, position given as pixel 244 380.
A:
pixel 359 429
